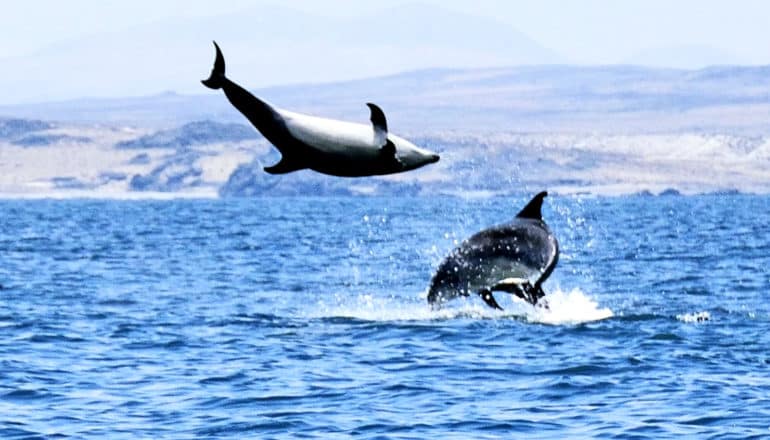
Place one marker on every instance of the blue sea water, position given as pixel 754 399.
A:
pixel 306 318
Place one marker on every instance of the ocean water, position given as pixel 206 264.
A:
pixel 306 318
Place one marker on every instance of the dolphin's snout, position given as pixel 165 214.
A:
pixel 433 158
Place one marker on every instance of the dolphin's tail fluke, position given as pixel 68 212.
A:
pixel 215 81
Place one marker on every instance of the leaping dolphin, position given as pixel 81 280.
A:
pixel 328 146
pixel 515 257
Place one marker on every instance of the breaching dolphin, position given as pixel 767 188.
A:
pixel 515 257
pixel 328 146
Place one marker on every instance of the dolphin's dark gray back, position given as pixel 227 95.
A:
pixel 522 248
pixel 529 242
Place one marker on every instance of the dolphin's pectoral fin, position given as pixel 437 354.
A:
pixel 488 298
pixel 379 123
pixel 388 150
pixel 285 165
pixel 520 287
pixel 388 153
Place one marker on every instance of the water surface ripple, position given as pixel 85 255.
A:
pixel 303 317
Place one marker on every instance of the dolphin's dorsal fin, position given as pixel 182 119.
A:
pixel 379 122
pixel 532 210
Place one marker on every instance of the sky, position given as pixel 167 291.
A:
pixel 665 33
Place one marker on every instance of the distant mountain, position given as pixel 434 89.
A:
pixel 191 134
pixel 683 56
pixel 441 38
pixel 502 162
pixel 33 133
pixel 265 45
pixel 176 173
pixel 618 99
pixel 39 140
pixel 11 128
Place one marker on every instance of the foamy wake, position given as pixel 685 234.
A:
pixel 565 307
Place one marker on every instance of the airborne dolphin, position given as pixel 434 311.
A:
pixel 515 257
pixel 328 146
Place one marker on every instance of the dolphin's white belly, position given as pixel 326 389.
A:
pixel 332 136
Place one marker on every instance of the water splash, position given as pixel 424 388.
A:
pixel 565 308
pixel 568 307
pixel 694 317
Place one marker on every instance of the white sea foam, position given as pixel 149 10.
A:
pixel 694 317
pixel 565 307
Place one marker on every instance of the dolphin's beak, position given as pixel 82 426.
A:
pixel 433 158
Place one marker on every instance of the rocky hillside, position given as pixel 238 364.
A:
pixel 222 159
pixel 618 129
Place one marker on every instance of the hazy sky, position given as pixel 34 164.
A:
pixel 672 33
pixel 583 31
